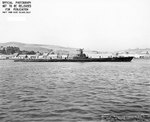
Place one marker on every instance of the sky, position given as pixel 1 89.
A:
pixel 104 25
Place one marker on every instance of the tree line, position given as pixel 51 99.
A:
pixel 11 50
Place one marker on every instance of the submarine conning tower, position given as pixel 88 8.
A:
pixel 80 55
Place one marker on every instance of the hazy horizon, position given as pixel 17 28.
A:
pixel 103 25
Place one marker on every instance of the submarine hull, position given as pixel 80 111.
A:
pixel 113 59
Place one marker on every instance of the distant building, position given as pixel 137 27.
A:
pixel 22 56
pixel 32 56
pixel 2 57
pixel 64 56
pixel 52 56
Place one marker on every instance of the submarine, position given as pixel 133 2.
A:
pixel 81 57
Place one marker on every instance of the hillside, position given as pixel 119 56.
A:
pixel 137 51
pixel 39 47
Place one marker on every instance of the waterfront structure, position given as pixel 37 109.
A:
pixel 80 55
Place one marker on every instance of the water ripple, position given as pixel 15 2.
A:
pixel 75 92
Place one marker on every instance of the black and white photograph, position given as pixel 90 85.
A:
pixel 74 60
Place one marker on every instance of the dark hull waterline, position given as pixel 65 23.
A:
pixel 114 59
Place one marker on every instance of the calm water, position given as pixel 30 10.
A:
pixel 75 92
